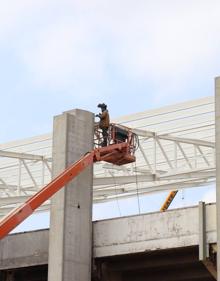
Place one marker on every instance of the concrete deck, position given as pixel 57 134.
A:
pixel 115 237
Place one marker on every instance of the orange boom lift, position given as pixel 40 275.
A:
pixel 120 150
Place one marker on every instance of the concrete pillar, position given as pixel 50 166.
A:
pixel 217 140
pixel 108 274
pixel 70 244
pixel 9 276
pixel 112 276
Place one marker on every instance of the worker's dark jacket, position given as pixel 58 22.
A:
pixel 104 120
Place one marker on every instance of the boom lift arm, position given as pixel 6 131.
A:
pixel 118 153
pixel 21 213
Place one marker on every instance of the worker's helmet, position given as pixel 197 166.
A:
pixel 102 105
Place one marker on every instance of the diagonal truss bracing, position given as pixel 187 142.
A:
pixel 176 151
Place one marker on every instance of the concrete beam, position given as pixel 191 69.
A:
pixel 24 249
pixel 70 246
pixel 154 231
pixel 121 236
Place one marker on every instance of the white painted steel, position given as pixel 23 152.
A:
pixel 177 150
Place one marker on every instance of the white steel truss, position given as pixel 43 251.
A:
pixel 176 151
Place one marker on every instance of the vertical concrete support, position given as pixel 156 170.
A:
pixel 202 232
pixel 217 141
pixel 70 244
pixel 109 275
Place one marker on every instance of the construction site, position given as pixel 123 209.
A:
pixel 65 172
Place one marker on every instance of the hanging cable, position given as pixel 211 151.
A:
pixel 183 197
pixel 137 189
pixel 116 194
pixel 136 142
pixel 183 194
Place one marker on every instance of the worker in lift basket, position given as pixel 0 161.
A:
pixel 104 122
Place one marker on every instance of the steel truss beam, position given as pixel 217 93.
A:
pixel 150 179
pixel 177 153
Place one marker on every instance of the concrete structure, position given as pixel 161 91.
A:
pixel 155 246
pixel 70 243
pixel 217 122
pixel 178 152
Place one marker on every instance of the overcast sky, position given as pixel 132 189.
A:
pixel 132 55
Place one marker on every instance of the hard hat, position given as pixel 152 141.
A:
pixel 102 105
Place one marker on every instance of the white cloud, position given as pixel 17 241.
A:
pixel 63 57
pixel 163 42
pixel 15 13
pixel 172 43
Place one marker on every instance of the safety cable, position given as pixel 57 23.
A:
pixel 183 197
pixel 137 189
pixel 116 194
pixel 136 142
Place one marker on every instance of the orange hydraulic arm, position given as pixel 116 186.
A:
pixel 118 154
